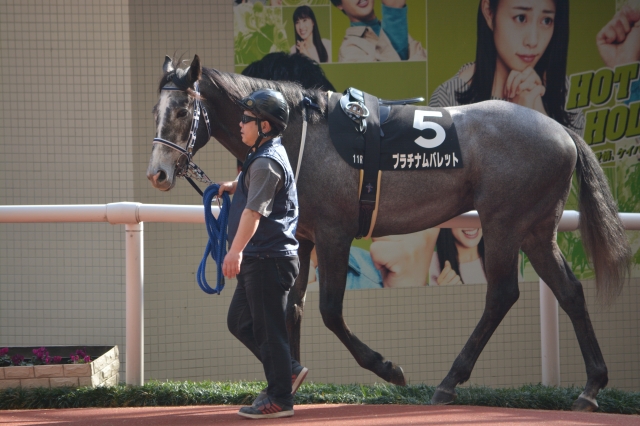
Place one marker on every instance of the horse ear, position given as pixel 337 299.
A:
pixel 195 71
pixel 168 65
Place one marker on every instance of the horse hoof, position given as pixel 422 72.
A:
pixel 443 397
pixel 584 404
pixel 397 376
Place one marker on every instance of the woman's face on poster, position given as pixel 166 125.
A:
pixel 467 237
pixel 358 10
pixel 304 27
pixel 522 30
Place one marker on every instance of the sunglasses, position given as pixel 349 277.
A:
pixel 248 119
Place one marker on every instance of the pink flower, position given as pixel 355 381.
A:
pixel 57 359
pixel 4 351
pixel 80 357
pixel 17 359
pixel 41 356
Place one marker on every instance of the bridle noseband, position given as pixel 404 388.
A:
pixel 191 171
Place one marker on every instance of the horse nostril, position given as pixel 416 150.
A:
pixel 158 178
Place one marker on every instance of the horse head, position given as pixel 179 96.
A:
pixel 177 110
pixel 178 136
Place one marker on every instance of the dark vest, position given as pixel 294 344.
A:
pixel 275 236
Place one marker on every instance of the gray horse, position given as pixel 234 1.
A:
pixel 517 175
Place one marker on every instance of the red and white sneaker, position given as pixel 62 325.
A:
pixel 265 408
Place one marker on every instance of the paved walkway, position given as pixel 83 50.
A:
pixel 315 415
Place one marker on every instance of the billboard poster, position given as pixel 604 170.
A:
pixel 577 62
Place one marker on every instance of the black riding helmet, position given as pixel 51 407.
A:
pixel 268 105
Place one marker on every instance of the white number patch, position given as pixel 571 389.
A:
pixel 420 124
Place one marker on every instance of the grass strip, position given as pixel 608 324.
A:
pixel 243 393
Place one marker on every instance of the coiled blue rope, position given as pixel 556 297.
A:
pixel 217 245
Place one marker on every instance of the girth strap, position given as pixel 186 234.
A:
pixel 370 180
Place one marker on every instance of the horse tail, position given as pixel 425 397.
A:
pixel 603 235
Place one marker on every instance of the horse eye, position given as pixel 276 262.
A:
pixel 182 113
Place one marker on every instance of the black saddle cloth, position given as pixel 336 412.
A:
pixel 412 138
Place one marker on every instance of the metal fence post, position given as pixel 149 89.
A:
pixel 549 336
pixel 134 304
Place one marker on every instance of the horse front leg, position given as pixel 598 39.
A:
pixel 295 302
pixel 333 258
pixel 501 269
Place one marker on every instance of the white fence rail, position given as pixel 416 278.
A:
pixel 132 215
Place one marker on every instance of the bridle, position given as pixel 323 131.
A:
pixel 191 171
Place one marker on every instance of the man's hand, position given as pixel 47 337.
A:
pixel 619 41
pixel 247 227
pixel 229 187
pixel 231 265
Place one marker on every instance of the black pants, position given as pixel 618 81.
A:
pixel 257 317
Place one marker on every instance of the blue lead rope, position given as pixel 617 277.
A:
pixel 217 245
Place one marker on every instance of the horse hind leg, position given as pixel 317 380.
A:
pixel 333 259
pixel 295 301
pixel 551 266
pixel 501 270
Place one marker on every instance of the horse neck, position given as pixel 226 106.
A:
pixel 225 118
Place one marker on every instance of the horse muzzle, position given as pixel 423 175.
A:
pixel 160 179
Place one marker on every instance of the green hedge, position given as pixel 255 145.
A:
pixel 243 393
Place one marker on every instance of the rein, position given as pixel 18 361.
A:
pixel 217 244
pixel 191 171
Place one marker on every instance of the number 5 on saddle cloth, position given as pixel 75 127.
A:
pixel 373 135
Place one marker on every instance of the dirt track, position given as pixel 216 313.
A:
pixel 312 415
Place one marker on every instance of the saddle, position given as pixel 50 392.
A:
pixel 352 103
pixel 373 134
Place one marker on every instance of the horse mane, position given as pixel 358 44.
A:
pixel 237 86
pixel 281 66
